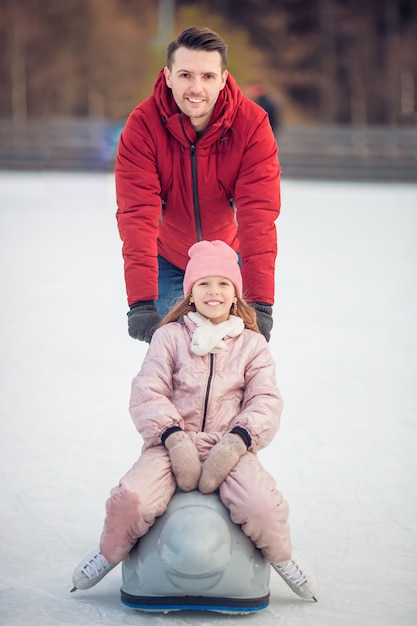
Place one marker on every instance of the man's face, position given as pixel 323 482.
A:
pixel 196 79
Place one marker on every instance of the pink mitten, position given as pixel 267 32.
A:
pixel 221 459
pixel 185 461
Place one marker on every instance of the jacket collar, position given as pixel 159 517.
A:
pixel 179 125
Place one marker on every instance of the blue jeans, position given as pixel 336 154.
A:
pixel 170 288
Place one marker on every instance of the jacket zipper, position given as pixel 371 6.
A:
pixel 195 193
pixel 206 399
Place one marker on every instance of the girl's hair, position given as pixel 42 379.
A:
pixel 242 309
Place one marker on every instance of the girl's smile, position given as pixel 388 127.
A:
pixel 213 297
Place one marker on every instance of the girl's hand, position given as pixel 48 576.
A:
pixel 221 459
pixel 185 461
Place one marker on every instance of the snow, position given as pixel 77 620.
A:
pixel 345 342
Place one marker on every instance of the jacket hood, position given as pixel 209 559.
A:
pixel 223 114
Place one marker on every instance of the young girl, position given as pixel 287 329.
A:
pixel 205 402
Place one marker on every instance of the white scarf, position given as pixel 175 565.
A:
pixel 208 337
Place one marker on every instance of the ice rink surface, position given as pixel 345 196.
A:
pixel 345 342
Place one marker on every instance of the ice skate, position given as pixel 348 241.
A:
pixel 298 577
pixel 91 570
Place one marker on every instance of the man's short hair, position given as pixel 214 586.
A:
pixel 198 38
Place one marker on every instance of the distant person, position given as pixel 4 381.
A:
pixel 257 93
pixel 196 160
pixel 209 341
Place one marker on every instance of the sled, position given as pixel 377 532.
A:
pixel 195 558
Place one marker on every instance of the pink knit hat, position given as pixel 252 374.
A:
pixel 212 258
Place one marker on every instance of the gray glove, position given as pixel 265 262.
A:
pixel 142 320
pixel 185 461
pixel 263 318
pixel 221 459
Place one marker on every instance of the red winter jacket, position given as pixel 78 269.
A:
pixel 174 189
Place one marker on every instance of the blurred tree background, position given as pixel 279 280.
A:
pixel 347 62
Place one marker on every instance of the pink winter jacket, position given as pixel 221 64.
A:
pixel 206 395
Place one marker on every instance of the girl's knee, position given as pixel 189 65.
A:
pixel 253 502
pixel 122 501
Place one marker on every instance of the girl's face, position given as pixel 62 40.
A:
pixel 213 297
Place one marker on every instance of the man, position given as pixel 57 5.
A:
pixel 197 160
pixel 257 93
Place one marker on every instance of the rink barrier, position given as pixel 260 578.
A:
pixel 349 153
pixel 308 152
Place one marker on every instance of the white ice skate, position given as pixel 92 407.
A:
pixel 298 577
pixel 90 571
